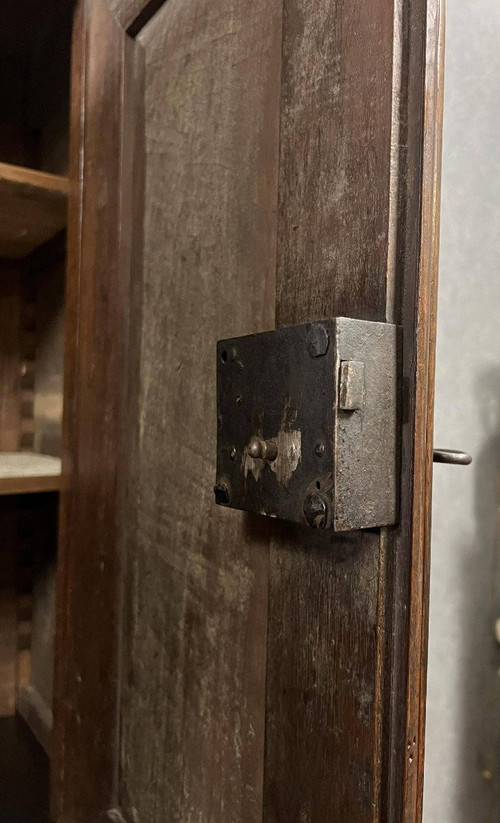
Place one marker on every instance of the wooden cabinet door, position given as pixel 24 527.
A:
pixel 237 165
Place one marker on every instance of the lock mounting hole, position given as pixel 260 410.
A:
pixel 223 356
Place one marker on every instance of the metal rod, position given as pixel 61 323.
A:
pixel 454 457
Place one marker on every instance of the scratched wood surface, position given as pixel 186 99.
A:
pixel 167 714
pixel 88 612
pixel 357 228
pixel 10 357
pixel 323 694
pixel 195 648
pixel 8 608
pixel 34 206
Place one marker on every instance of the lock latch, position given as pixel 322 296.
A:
pixel 307 423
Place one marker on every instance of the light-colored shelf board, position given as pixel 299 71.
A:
pixel 23 472
pixel 33 206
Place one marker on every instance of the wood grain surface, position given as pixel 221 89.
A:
pixel 346 681
pixel 85 767
pixel 8 609
pixel 34 209
pixel 10 357
pixel 22 472
pixel 195 648
pixel 323 693
pixel 165 714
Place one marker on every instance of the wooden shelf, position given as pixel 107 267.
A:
pixel 33 206
pixel 23 472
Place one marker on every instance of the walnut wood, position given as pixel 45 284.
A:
pixel 346 681
pixel 160 683
pixel 48 397
pixel 8 609
pixel 195 639
pixel 86 683
pixel 30 485
pixel 10 356
pixel 421 549
pixel 34 206
pixel 323 684
pixel 29 467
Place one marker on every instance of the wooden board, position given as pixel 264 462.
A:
pixel 346 665
pixel 216 655
pixel 8 609
pixel 34 209
pixel 10 356
pixel 178 156
pixel 48 389
pixel 199 578
pixel 36 559
pixel 22 472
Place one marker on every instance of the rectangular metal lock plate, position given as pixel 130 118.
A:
pixel 307 426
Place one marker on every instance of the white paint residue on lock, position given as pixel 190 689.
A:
pixel 253 466
pixel 289 454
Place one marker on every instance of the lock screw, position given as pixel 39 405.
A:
pixel 221 492
pixel 317 340
pixel 315 511
pixel 320 449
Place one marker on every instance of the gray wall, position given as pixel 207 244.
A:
pixel 462 775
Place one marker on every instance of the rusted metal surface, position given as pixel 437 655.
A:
pixel 307 423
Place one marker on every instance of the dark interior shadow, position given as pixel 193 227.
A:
pixel 479 697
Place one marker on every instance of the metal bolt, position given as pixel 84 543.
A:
pixel 228 356
pixel 262 449
pixel 222 496
pixel 320 449
pixel 317 340
pixel 232 454
pixel 315 511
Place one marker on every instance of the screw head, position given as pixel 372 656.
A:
pixel 320 449
pixel 232 453
pixel 222 496
pixel 256 448
pixel 315 511
pixel 318 340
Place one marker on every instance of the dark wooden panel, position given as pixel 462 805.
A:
pixel 195 652
pixel 8 608
pixel 34 207
pixel 323 687
pixel 10 357
pixel 341 743
pixel 418 475
pixel 48 399
pixel 24 775
pixel 334 160
pixel 24 485
pixel 36 550
pixel 85 770
pixel 344 697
